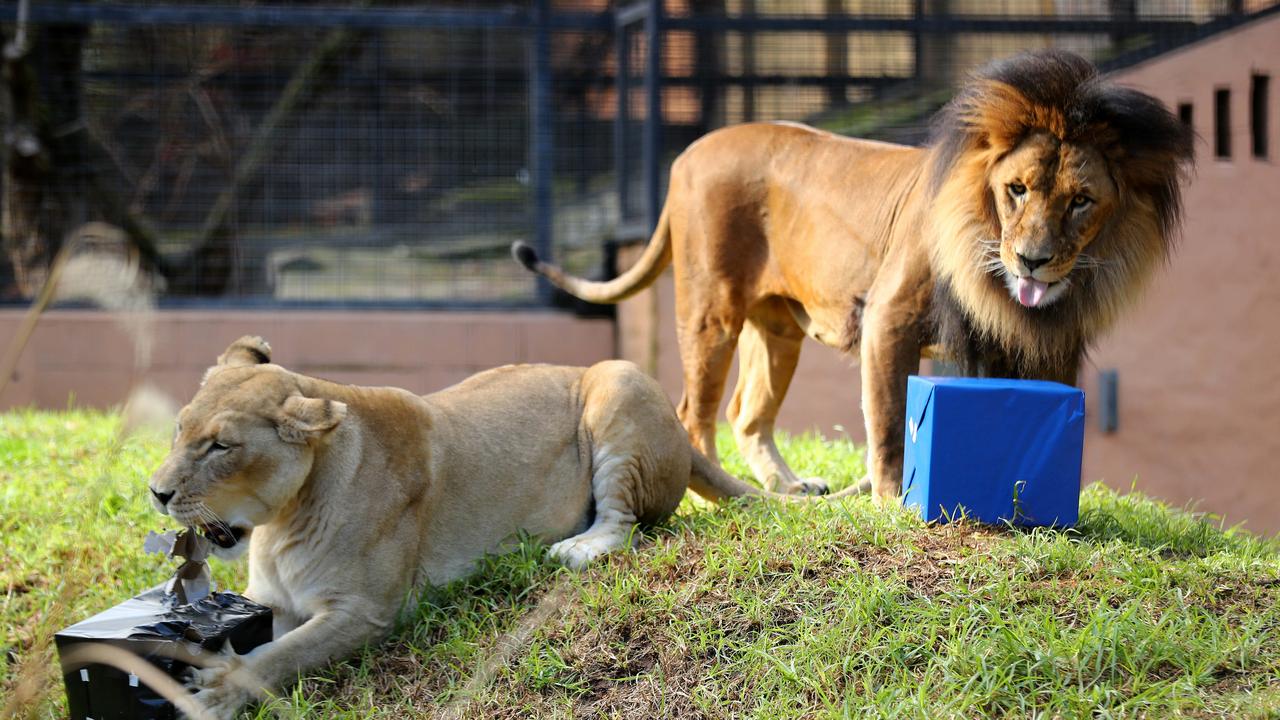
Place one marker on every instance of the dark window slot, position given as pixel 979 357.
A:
pixel 1258 101
pixel 1222 123
pixel 1185 114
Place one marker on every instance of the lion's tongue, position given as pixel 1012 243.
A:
pixel 1031 291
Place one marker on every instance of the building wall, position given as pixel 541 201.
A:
pixel 90 358
pixel 1198 358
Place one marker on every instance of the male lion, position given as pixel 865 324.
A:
pixel 1041 208
pixel 355 496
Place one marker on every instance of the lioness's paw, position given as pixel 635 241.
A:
pixel 217 665
pixel 220 703
pixel 578 552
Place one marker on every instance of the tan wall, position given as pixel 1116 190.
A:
pixel 87 354
pixel 1198 359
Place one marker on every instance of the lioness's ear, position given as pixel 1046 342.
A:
pixel 248 350
pixel 303 418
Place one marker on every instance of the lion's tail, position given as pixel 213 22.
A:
pixel 707 479
pixel 655 259
pixel 712 483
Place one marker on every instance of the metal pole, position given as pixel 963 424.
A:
pixel 542 140
pixel 917 42
pixel 653 112
pixel 621 122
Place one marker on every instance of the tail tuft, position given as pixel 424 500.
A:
pixel 524 254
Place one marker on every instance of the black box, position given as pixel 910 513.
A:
pixel 154 628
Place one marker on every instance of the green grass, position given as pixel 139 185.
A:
pixel 749 610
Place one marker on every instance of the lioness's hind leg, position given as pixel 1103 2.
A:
pixel 768 350
pixel 613 528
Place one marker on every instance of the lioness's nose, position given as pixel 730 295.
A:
pixel 163 497
pixel 1032 263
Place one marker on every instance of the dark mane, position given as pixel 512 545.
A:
pixel 1063 93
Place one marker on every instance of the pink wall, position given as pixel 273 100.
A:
pixel 88 354
pixel 1199 358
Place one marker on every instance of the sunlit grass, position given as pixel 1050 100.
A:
pixel 744 610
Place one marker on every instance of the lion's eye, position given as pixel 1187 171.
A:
pixel 1080 201
pixel 1017 189
pixel 216 447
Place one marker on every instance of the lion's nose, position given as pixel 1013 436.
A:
pixel 163 497
pixel 1032 263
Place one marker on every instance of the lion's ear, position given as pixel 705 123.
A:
pixel 248 350
pixel 303 418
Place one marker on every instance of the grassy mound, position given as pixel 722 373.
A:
pixel 745 610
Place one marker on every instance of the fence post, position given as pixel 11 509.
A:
pixel 622 120
pixel 653 113
pixel 543 140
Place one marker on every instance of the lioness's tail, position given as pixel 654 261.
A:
pixel 712 483
pixel 655 259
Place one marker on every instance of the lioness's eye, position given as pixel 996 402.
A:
pixel 1017 189
pixel 216 446
pixel 1080 201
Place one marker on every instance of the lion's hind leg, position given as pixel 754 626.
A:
pixel 768 351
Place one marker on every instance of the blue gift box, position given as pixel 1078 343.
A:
pixel 997 450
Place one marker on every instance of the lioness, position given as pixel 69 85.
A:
pixel 348 498
pixel 1040 209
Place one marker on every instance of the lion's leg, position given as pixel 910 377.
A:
pixel 615 474
pixel 706 352
pixel 768 350
pixel 890 352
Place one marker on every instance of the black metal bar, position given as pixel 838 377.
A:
pixel 299 16
pixel 481 75
pixel 917 41
pixel 653 29
pixel 876 81
pixel 928 24
pixel 749 64
pixel 622 121
pixel 543 129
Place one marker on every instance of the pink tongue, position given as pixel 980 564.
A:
pixel 1031 291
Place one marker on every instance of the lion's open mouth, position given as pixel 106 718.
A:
pixel 224 536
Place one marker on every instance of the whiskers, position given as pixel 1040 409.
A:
pixel 1090 262
pixel 210 518
pixel 989 261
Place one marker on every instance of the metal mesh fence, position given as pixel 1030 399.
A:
pixel 390 153
pixel 398 177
